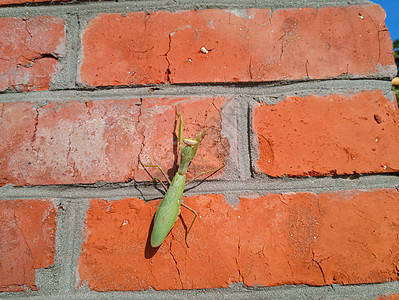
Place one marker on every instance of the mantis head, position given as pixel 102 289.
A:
pixel 188 151
pixel 190 142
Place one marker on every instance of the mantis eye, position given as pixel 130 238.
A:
pixel 190 142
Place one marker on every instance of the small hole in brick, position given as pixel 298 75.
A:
pixel 378 119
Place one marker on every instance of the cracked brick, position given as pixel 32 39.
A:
pixel 345 237
pixel 69 145
pixel 388 297
pixel 29 51
pixel 135 270
pixel 13 2
pixel 160 131
pixel 265 46
pixel 134 56
pixel 86 142
pixel 327 135
pixel 176 263
pixel 27 230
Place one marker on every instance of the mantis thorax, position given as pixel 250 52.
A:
pixel 187 155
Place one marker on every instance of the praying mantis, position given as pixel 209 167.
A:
pixel 169 208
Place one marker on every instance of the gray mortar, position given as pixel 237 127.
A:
pixel 59 280
pixel 56 277
pixel 236 291
pixel 270 92
pixel 83 21
pixel 87 8
pixel 63 276
pixel 116 191
pixel 253 141
pixel 68 80
pixel 65 75
pixel 244 152
pixel 229 116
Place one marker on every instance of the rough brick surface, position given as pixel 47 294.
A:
pixel 27 239
pixel 12 2
pixel 77 142
pixel 119 230
pixel 347 237
pixel 160 129
pixel 389 297
pixel 364 247
pixel 243 45
pixel 326 135
pixel 29 52
pixel 15 2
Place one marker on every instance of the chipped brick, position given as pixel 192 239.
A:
pixel 29 52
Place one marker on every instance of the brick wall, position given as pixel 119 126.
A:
pixel 294 100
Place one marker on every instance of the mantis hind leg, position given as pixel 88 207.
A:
pixel 155 178
pixel 192 223
pixel 202 173
pixel 159 180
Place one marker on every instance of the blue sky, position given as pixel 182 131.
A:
pixel 391 7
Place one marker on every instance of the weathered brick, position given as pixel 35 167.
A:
pixel 241 45
pixel 15 2
pixel 346 237
pixel 29 52
pixel 358 236
pixel 27 231
pixel 124 260
pixel 77 142
pixel 326 135
pixel 389 297
pixel 277 237
pixel 160 130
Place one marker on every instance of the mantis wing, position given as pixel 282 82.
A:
pixel 168 210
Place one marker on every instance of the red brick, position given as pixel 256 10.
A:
pixel 347 237
pixel 389 297
pixel 116 257
pixel 15 2
pixel 12 2
pixel 326 135
pixel 358 236
pixel 76 142
pixel 277 237
pixel 242 45
pixel 160 134
pixel 26 47
pixel 27 231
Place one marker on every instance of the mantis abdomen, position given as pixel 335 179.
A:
pixel 168 210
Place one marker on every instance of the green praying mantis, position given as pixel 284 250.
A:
pixel 169 208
